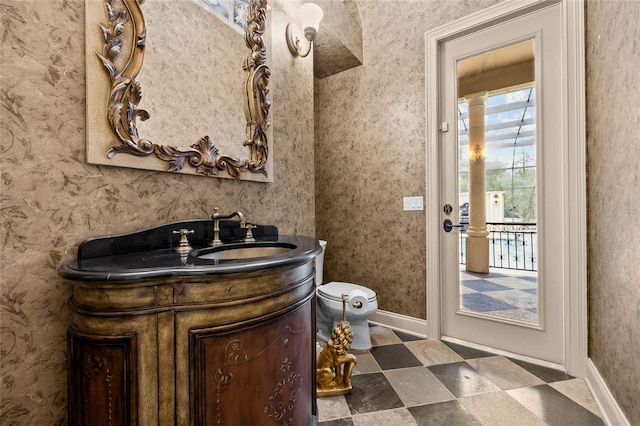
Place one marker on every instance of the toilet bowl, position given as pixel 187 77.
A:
pixel 361 303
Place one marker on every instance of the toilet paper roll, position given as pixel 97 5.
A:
pixel 358 300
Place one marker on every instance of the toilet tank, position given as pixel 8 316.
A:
pixel 320 263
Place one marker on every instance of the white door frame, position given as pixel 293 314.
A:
pixel 574 184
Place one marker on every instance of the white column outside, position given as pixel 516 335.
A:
pixel 477 234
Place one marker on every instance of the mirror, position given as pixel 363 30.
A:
pixel 200 77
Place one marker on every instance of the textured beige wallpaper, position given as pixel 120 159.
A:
pixel 369 153
pixel 51 199
pixel 370 136
pixel 613 148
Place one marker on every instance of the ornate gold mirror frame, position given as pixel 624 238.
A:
pixel 126 93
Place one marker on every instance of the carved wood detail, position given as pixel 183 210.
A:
pixel 264 364
pixel 102 387
pixel 126 94
pixel 251 349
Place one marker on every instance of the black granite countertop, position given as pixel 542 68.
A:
pixel 107 258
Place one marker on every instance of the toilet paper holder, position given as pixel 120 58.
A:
pixel 357 299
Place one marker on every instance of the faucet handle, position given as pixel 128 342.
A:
pixel 248 238
pixel 183 244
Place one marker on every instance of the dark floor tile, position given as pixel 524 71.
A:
pixel 479 302
pixel 547 374
pixel 484 285
pixel 443 414
pixel 406 337
pixel 554 408
pixel 466 352
pixel 339 422
pixel 394 356
pixel 372 392
pixel 533 291
pixel 530 279
pixel 462 380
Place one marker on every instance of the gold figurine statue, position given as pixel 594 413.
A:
pixel 335 365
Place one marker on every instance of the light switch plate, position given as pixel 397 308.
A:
pixel 413 203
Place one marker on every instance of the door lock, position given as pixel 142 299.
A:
pixel 448 225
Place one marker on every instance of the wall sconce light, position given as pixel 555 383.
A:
pixel 477 153
pixel 310 16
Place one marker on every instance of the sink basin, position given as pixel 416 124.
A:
pixel 243 252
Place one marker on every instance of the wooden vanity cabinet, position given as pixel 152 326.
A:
pixel 102 378
pixel 228 349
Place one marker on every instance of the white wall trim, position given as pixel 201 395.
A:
pixel 575 342
pixel 610 411
pixel 433 170
pixel 403 323
pixel 576 321
pixel 507 354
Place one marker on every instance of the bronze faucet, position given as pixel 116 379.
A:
pixel 183 246
pixel 216 224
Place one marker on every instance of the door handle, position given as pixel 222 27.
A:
pixel 448 225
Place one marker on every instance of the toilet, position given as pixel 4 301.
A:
pixel 361 303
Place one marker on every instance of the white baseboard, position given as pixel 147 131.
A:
pixel 508 354
pixel 403 323
pixel 609 408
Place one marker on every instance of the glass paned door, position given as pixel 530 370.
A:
pixel 501 173
pixel 509 290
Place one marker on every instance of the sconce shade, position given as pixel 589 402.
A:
pixel 310 16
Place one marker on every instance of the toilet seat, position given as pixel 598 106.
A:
pixel 335 289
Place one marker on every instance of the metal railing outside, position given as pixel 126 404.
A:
pixel 511 245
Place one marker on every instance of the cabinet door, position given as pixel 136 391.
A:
pixel 260 374
pixel 102 386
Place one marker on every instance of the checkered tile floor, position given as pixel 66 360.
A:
pixel 404 380
pixel 501 293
